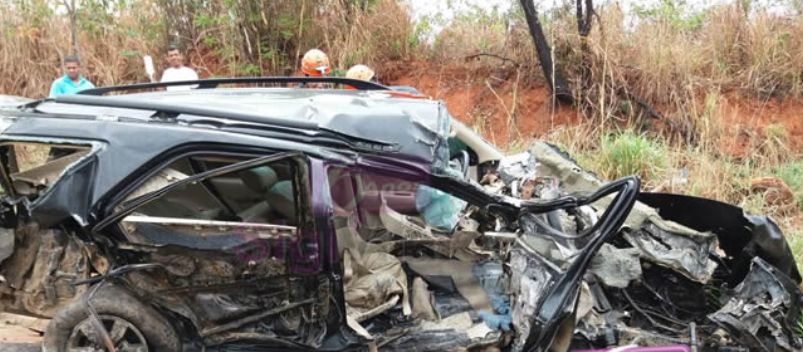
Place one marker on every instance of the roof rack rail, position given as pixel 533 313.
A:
pixel 173 109
pixel 214 82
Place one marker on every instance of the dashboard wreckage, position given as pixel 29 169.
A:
pixel 274 218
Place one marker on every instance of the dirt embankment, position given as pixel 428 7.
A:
pixel 508 110
pixel 750 122
pixel 503 107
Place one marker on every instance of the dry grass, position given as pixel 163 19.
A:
pixel 681 64
pixel 668 60
pixel 708 171
pixel 382 33
pixel 31 50
pixel 678 64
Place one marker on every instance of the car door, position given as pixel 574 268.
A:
pixel 233 270
pixel 39 255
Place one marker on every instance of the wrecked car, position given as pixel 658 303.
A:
pixel 274 218
pixel 11 101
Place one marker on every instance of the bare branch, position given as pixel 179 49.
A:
pixel 473 56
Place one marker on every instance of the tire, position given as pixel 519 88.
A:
pixel 116 306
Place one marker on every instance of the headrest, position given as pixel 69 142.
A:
pixel 260 179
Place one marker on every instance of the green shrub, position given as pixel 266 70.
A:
pixel 631 154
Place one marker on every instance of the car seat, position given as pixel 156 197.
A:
pixel 282 199
pixel 260 180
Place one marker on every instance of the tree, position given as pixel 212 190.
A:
pixel 556 80
pixel 584 20
pixel 70 5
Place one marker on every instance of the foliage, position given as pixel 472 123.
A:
pixel 629 153
pixel 676 13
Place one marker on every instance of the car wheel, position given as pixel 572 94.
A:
pixel 132 326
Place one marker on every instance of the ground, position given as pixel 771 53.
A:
pixel 747 119
pixel 20 333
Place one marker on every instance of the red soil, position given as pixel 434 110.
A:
pixel 745 120
pixel 490 100
pixel 484 98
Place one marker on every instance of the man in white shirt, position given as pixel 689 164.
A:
pixel 177 71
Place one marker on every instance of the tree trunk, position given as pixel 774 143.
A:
pixel 554 76
pixel 584 18
pixel 584 21
pixel 73 26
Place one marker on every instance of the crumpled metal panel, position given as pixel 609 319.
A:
pixel 415 128
pixel 529 282
pixel 764 310
pixel 688 255
pixel 418 127
pixel 741 236
pixel 68 182
pixel 616 267
pixel 516 167
pixel 687 249
pixel 552 162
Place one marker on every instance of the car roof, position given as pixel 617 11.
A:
pixel 300 104
pixel 375 120
pixel 10 101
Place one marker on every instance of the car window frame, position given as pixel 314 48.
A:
pixel 302 191
pixel 5 175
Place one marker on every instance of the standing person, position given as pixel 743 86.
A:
pixel 360 72
pixel 315 63
pixel 177 71
pixel 72 82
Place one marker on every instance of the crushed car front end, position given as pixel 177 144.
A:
pixel 682 272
